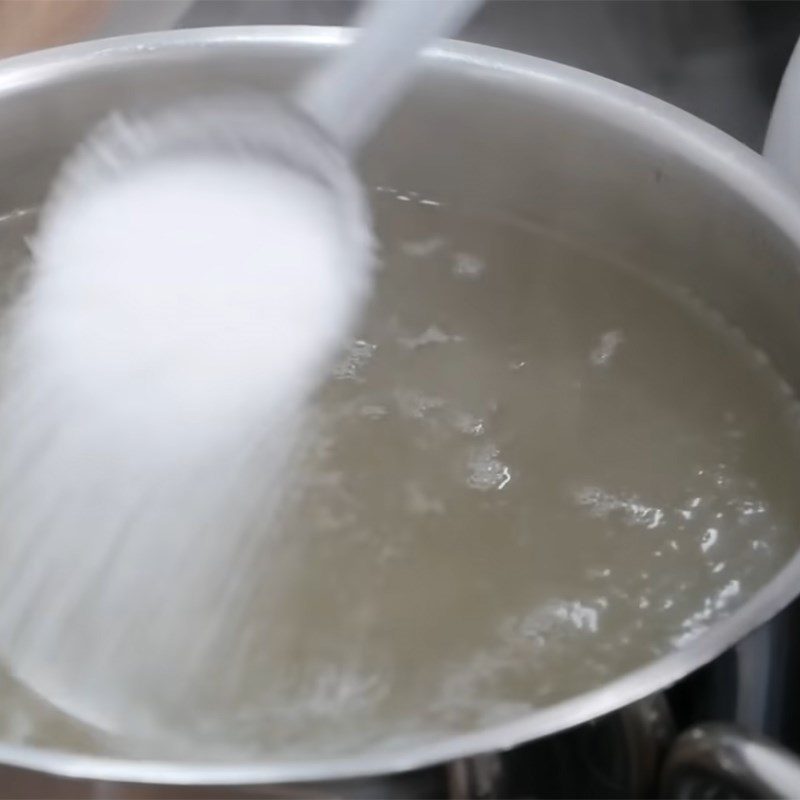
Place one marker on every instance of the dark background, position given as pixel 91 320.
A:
pixel 719 59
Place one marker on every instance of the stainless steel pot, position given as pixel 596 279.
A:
pixel 627 175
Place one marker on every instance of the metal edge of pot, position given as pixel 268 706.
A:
pixel 742 170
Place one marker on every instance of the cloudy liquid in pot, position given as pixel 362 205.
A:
pixel 533 472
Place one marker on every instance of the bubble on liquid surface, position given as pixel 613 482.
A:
pixel 431 335
pixel 423 248
pixel 468 266
pixel 486 470
pixel 355 360
pixel 606 348
pixel 601 503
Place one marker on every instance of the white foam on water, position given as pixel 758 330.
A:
pixel 486 471
pixel 431 335
pixel 467 265
pixel 354 361
pixel 601 503
pixel 423 248
pixel 698 623
pixel 606 348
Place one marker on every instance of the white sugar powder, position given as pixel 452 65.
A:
pixel 185 300
pixel 178 318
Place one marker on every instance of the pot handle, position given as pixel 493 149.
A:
pixel 782 143
pixel 718 760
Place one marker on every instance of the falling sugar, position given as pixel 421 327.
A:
pixel 155 372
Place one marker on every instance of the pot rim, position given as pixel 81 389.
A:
pixel 740 168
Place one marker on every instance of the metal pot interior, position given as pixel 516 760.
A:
pixel 575 168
